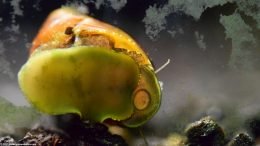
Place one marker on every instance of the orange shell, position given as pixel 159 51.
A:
pixel 53 31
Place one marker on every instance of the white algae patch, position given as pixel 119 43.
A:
pixel 16 7
pixel 155 19
pixel 172 33
pixel 244 44
pixel 243 41
pixel 15 28
pixel 250 8
pixel 5 66
pixel 79 6
pixel 117 5
pixel 195 8
pixel 200 40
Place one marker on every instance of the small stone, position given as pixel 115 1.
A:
pixel 241 139
pixel 7 140
pixel 205 132
pixel 253 126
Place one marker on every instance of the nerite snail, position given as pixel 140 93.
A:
pixel 80 65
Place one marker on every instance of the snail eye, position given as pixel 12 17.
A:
pixel 141 99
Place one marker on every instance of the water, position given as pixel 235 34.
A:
pixel 213 47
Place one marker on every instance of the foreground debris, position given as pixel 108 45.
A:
pixel 88 135
pixel 205 132
pixel 241 139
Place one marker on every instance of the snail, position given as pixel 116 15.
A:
pixel 80 65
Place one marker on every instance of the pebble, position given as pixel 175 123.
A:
pixel 205 132
pixel 241 139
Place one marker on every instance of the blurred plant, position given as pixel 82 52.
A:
pixel 13 117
